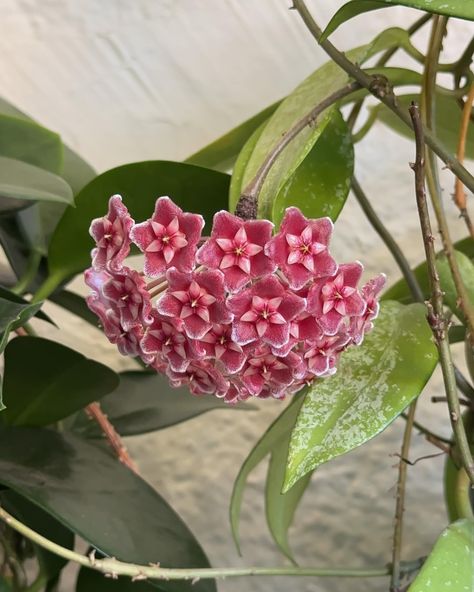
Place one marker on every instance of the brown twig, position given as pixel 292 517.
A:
pixel 400 503
pixel 436 318
pixel 248 202
pixel 459 193
pixel 94 411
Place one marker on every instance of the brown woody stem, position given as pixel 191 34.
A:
pixel 459 193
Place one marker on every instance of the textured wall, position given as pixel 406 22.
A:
pixel 124 81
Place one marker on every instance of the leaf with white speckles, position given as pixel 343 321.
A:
pixel 450 565
pixel 373 385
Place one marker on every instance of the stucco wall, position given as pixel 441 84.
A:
pixel 124 81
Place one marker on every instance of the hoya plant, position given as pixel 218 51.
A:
pixel 215 276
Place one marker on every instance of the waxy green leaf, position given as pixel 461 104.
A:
pixel 91 493
pixel 466 270
pixel 22 183
pixel 450 565
pixel 278 432
pixel 14 315
pixel 59 381
pixel 145 402
pixel 317 87
pixel 458 8
pixel 193 188
pixel 374 383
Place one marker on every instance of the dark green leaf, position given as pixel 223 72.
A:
pixel 280 507
pixel 75 171
pixel 449 565
pixel 373 385
pixel 320 185
pixel 21 183
pixel 43 523
pixel 94 495
pixel 29 142
pixel 400 291
pixel 59 381
pixel 278 431
pixel 221 154
pixel 8 295
pixel 146 402
pixel 458 8
pixel 14 315
pixel 191 187
pixel 317 87
pixel 448 120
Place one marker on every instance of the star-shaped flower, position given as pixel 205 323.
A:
pixel 169 238
pixel 332 300
pixel 263 312
pixel 197 299
pixel 112 236
pixel 301 248
pixel 370 293
pixel 237 249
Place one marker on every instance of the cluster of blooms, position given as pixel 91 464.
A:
pixel 238 314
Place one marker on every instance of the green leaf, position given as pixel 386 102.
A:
pixel 43 523
pixel 8 295
pixel 75 170
pixel 145 402
pixel 221 154
pixel 317 87
pixel 400 291
pixel 29 142
pixel 278 431
pixel 59 381
pixel 450 564
pixel 320 185
pixel 21 183
pixel 457 8
pixel 373 385
pixel 448 120
pixel 192 188
pixel 466 270
pixel 14 315
pixel 280 507
pixel 95 496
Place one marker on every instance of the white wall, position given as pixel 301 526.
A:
pixel 125 81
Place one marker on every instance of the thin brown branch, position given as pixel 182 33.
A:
pixel 400 503
pixel 436 317
pixel 94 411
pixel 460 198
pixel 248 203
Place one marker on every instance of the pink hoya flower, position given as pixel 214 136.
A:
pixel 263 312
pixel 370 294
pixel 111 234
pixel 261 317
pixel 164 338
pixel 335 298
pixel 237 249
pixel 197 299
pixel 169 238
pixel 300 248
pixel 127 293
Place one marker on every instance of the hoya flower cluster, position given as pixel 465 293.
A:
pixel 242 313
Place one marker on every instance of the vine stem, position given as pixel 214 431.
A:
pixel 248 201
pixel 459 193
pixel 115 568
pixel 400 503
pixel 382 91
pixel 436 316
pixel 95 412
